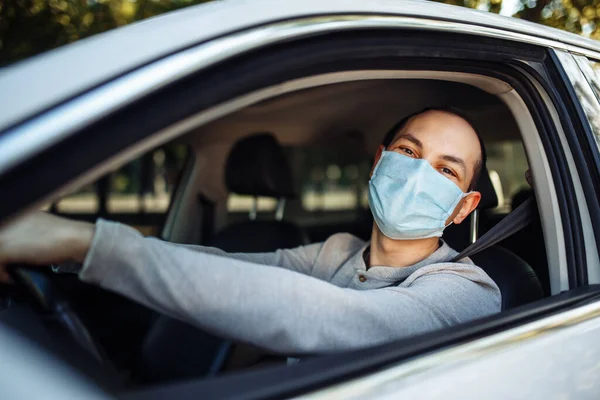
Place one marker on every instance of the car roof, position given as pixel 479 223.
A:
pixel 41 82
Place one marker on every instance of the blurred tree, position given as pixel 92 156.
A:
pixel 577 16
pixel 29 27
pixel 485 5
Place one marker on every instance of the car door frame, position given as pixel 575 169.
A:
pixel 575 85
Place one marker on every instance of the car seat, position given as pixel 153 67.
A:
pixel 174 350
pixel 257 166
pixel 517 281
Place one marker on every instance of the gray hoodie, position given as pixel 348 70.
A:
pixel 318 298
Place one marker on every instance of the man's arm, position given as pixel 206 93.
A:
pixel 300 259
pixel 273 308
pixel 42 239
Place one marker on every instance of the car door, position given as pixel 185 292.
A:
pixel 150 112
pixel 523 370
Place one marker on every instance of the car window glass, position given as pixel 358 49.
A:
pixel 591 70
pixel 137 194
pixel 587 91
pixel 328 182
pixel 332 192
pixel 333 185
pixel 241 203
pixel 507 163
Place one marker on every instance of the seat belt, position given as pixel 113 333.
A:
pixel 518 219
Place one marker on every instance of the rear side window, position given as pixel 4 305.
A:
pixel 332 186
pixel 137 194
pixel 591 70
pixel 507 163
pixel 333 183
pixel 330 179
pixel 589 98
pixel 327 180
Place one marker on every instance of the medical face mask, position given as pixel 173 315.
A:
pixel 409 199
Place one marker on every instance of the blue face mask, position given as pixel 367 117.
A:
pixel 409 199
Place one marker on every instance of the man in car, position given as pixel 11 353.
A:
pixel 332 296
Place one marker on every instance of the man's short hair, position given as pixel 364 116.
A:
pixel 391 135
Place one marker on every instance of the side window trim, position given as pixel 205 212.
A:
pixel 566 238
pixel 587 113
pixel 545 189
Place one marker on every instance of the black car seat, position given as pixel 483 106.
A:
pixel 529 243
pixel 174 350
pixel 257 166
pixel 517 281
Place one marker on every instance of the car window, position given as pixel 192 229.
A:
pixel 507 163
pixel 333 185
pixel 591 69
pixel 330 184
pixel 137 194
pixel 329 180
pixel 587 98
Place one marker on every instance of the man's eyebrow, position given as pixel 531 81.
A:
pixel 456 160
pixel 410 138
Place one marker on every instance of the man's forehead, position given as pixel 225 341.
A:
pixel 436 117
pixel 442 128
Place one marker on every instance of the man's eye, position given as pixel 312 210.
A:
pixel 407 151
pixel 448 171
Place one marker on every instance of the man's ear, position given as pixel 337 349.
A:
pixel 377 157
pixel 469 204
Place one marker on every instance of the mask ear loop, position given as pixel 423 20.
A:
pixel 462 197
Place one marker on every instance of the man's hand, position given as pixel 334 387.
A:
pixel 43 239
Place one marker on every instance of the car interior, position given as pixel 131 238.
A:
pixel 284 170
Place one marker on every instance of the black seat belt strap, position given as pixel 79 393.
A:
pixel 518 219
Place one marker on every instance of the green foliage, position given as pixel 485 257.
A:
pixel 486 5
pixel 577 16
pixel 29 27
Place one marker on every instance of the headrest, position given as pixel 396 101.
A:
pixel 257 166
pixel 484 185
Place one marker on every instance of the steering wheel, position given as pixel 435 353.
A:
pixel 41 292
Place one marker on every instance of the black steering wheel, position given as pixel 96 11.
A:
pixel 41 292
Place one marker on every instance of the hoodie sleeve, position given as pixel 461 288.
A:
pixel 300 259
pixel 277 309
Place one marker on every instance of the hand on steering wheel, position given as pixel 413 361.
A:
pixel 43 239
